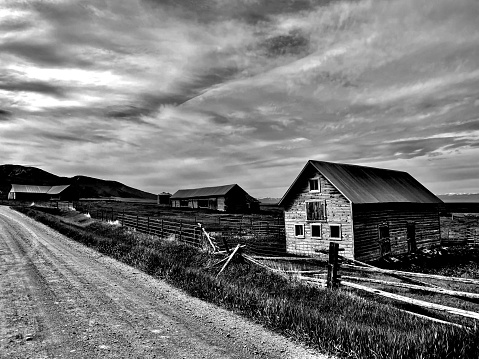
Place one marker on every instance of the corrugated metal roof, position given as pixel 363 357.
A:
pixel 29 188
pixel 203 192
pixel 21 188
pixel 361 184
pixel 58 189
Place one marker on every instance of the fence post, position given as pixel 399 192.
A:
pixel 332 280
pixel 162 232
pixel 137 222
pixel 148 225
pixel 123 219
pixel 181 228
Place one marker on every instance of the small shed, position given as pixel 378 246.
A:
pixel 41 193
pixel 163 199
pixel 370 212
pixel 227 198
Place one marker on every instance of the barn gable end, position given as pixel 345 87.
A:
pixel 337 213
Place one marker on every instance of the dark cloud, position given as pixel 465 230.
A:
pixel 79 136
pixel 50 54
pixel 5 115
pixel 293 43
pixel 11 25
pixel 251 12
pixel 34 86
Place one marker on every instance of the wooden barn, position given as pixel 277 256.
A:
pixel 41 193
pixel 228 198
pixel 370 212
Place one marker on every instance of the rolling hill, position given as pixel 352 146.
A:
pixel 87 187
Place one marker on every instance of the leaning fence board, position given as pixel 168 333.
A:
pixel 229 259
pixel 286 258
pixel 416 287
pixel 402 277
pixel 416 302
pixel 412 274
pixel 259 264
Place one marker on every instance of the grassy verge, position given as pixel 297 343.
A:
pixel 332 322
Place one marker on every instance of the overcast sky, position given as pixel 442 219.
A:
pixel 169 94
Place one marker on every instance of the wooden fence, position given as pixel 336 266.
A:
pixel 180 231
pixel 462 236
pixel 260 233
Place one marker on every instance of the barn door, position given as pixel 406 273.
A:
pixel 384 239
pixel 411 237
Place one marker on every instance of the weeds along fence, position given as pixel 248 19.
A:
pixel 62 205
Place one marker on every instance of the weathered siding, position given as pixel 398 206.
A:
pixel 368 217
pixel 221 204
pixel 338 211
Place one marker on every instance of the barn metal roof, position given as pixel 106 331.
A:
pixel 203 192
pixel 22 188
pixel 58 189
pixel 361 184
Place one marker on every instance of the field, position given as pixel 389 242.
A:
pixel 346 323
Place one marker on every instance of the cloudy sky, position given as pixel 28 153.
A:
pixel 168 94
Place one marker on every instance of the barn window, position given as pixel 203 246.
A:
pixel 315 210
pixel 335 231
pixel 299 230
pixel 316 230
pixel 314 184
pixel 203 203
pixel 184 203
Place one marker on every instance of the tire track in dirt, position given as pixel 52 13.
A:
pixel 78 303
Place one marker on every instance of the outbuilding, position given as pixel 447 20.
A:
pixel 227 198
pixel 370 212
pixel 41 193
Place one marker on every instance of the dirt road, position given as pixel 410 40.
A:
pixel 59 299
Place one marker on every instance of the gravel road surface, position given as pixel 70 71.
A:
pixel 59 299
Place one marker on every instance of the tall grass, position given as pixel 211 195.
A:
pixel 332 322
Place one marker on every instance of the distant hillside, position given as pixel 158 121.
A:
pixel 460 197
pixel 269 200
pixel 87 187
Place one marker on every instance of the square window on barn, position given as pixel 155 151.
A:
pixel 335 231
pixel 184 203
pixel 314 184
pixel 299 230
pixel 315 210
pixel 316 231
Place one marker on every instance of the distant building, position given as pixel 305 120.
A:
pixel 228 198
pixel 41 193
pixel 369 211
pixel 163 199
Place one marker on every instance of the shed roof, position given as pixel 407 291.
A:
pixel 203 192
pixel 58 189
pixel 22 188
pixel 361 184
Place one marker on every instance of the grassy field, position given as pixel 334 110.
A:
pixel 336 322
